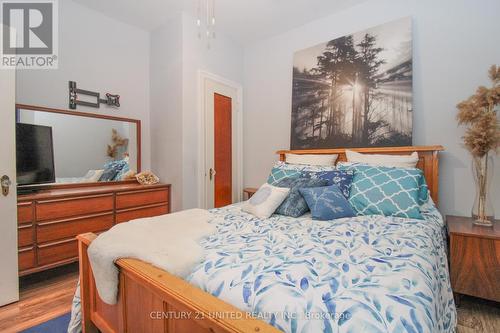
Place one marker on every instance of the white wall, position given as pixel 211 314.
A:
pixel 100 54
pixel 454 42
pixel 166 106
pixel 177 55
pixel 225 59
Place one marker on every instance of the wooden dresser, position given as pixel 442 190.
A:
pixel 48 221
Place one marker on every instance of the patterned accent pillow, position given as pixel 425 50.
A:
pixel 378 190
pixel 341 178
pixel 112 170
pixel 109 174
pixel 423 192
pixel 123 171
pixel 283 170
pixel 294 204
pixel 265 201
pixel 327 203
pixel 279 174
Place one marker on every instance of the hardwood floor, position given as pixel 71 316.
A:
pixel 477 315
pixel 43 296
pixel 48 295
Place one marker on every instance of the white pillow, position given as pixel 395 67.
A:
pixel 311 159
pixel 93 176
pixel 265 201
pixel 397 161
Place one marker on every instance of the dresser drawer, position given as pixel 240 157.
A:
pixel 24 212
pixel 61 229
pixel 141 198
pixel 475 266
pixel 26 258
pixel 25 235
pixel 57 251
pixel 132 214
pixel 56 209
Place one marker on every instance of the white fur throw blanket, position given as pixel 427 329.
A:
pixel 169 242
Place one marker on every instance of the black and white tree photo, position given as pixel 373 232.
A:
pixel 355 91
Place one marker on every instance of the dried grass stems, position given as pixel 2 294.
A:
pixel 478 114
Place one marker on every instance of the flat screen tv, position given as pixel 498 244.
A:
pixel 34 154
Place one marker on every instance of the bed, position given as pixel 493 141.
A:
pixel 369 273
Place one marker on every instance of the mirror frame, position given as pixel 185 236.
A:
pixel 137 122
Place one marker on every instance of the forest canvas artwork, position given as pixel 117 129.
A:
pixel 355 91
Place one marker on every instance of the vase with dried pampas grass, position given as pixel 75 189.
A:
pixel 482 138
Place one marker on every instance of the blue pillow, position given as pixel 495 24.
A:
pixel 109 174
pixel 341 178
pixel 123 171
pixel 378 190
pixel 327 202
pixel 423 191
pixel 112 170
pixel 278 174
pixel 294 204
pixel 283 170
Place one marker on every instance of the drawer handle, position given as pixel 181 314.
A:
pixel 142 207
pixel 142 191
pixel 42 246
pixel 76 198
pixel 77 218
pixel 26 249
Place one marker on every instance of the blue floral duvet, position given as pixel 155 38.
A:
pixel 362 274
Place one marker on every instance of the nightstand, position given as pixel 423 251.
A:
pixel 249 191
pixel 474 258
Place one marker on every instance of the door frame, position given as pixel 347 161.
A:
pixel 203 76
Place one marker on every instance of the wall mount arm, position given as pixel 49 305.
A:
pixel 111 100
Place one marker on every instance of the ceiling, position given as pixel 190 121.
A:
pixel 243 20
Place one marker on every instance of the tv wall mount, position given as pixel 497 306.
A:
pixel 111 100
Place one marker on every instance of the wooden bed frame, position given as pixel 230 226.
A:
pixel 152 300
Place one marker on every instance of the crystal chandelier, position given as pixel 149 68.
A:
pixel 206 20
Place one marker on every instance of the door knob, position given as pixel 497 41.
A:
pixel 5 183
pixel 212 173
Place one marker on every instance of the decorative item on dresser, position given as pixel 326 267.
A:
pixel 49 220
pixel 474 258
pixel 482 139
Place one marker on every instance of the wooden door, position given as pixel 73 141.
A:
pixel 223 188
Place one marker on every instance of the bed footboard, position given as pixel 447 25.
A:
pixel 152 300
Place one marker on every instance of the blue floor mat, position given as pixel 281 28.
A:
pixel 56 325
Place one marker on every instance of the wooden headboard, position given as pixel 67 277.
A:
pixel 428 159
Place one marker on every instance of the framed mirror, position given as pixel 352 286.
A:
pixel 87 148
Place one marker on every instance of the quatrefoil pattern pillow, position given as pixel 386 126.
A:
pixel 279 174
pixel 377 190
